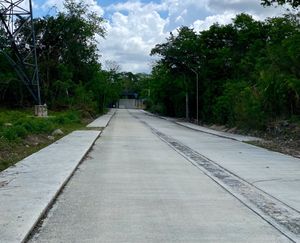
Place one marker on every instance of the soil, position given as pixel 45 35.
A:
pixel 281 136
pixel 10 153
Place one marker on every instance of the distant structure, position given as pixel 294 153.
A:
pixel 16 21
pixel 130 100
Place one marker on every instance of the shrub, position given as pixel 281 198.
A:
pixel 9 134
pixel 72 116
pixel 224 108
pixel 14 132
pixel 248 110
pixel 158 109
pixel 20 131
pixel 23 125
pixel 67 117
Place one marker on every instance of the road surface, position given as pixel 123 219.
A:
pixel 150 180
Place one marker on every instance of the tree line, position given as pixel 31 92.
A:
pixel 248 72
pixel 70 71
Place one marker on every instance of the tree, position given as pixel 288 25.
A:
pixel 293 3
pixel 112 66
pixel 167 94
pixel 181 54
pixel 68 57
pixel 67 51
pixel 249 71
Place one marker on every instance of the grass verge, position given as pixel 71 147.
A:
pixel 22 134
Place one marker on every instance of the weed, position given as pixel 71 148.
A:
pixel 17 126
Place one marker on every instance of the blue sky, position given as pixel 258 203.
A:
pixel 135 26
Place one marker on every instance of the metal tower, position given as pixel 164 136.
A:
pixel 16 21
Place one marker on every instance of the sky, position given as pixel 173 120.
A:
pixel 134 27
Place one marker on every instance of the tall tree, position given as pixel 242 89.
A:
pixel 68 57
pixel 249 71
pixel 293 3
pixel 181 54
pixel 67 52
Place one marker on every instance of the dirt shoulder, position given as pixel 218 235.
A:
pixel 281 136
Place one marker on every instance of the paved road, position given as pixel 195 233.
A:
pixel 133 187
pixel 275 173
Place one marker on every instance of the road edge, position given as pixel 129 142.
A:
pixel 59 190
pixel 230 135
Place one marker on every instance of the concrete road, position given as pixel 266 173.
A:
pixel 133 187
pixel 274 173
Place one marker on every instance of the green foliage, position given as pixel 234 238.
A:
pixel 225 107
pixel 13 133
pixel 15 125
pixel 68 57
pixel 67 117
pixel 248 71
pixel 249 113
pixel 293 3
pixel 69 62
pixel 167 92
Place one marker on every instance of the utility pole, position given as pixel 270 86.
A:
pixel 16 20
pixel 197 93
pixel 187 114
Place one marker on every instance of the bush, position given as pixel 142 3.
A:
pixel 61 120
pixel 248 110
pixel 14 132
pixel 148 103
pixel 20 131
pixel 67 117
pixel 240 105
pixel 36 125
pixel 23 125
pixel 158 109
pixel 10 134
pixel 224 109
pixel 72 116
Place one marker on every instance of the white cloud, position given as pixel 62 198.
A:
pixel 221 19
pixel 59 4
pixel 244 6
pixel 53 3
pixel 137 5
pixel 224 11
pixel 135 27
pixel 132 35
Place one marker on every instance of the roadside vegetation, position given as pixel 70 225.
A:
pixel 248 76
pixel 70 72
pixel 74 84
pixel 21 134
pixel 248 73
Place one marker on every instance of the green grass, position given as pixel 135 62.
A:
pixel 16 125
pixel 22 134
